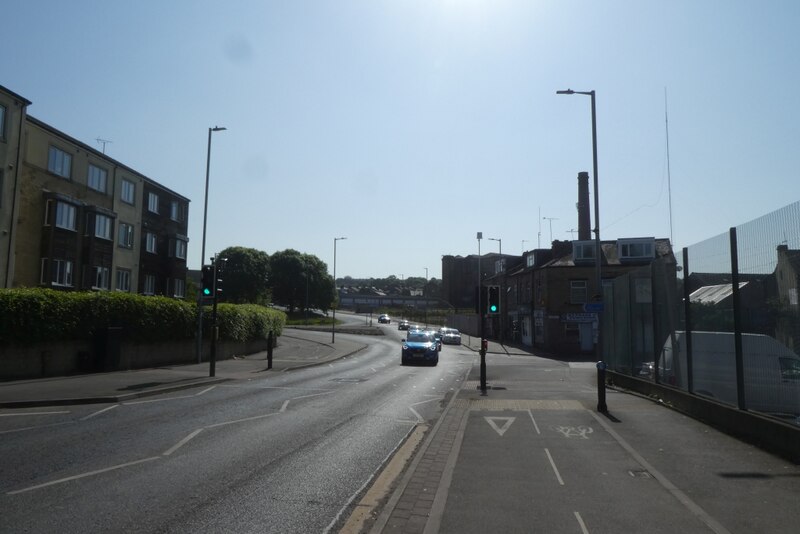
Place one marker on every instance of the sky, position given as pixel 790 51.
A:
pixel 408 126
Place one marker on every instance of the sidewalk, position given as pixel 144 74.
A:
pixel 531 454
pixel 296 348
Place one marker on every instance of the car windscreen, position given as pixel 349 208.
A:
pixel 419 337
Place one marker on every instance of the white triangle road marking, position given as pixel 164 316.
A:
pixel 500 429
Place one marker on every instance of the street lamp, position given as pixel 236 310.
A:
pixel 499 241
pixel 203 248
pixel 523 244
pixel 597 249
pixel 336 293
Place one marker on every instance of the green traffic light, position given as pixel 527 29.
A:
pixel 206 292
pixel 493 308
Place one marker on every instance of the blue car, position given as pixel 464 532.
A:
pixel 420 347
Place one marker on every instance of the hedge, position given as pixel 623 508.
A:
pixel 35 315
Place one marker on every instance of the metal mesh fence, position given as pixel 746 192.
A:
pixel 721 320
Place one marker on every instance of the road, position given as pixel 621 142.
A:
pixel 285 453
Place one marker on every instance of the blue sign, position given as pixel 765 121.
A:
pixel 593 307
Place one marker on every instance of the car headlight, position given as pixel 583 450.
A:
pixel 405 347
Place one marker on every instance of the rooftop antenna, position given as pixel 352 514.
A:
pixel 669 176
pixel 539 235
pixel 572 232
pixel 103 142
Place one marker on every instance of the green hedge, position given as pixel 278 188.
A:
pixel 244 322
pixel 38 315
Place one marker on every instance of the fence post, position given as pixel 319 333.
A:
pixel 737 321
pixel 687 312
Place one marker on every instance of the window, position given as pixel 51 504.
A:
pixel 102 226
pixel 62 273
pixel 123 280
pixel 636 250
pixel 578 291
pixel 152 202
pixel 65 215
pixel 128 191
pixel 149 284
pixel 59 162
pixel 101 275
pixel 530 260
pixel 583 251
pixel 180 249
pixel 125 235
pixel 175 212
pixel 152 243
pixel 2 122
pixel 180 288
pixel 97 178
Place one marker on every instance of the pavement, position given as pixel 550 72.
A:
pixel 528 454
pixel 296 348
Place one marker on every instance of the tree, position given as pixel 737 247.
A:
pixel 245 276
pixel 296 276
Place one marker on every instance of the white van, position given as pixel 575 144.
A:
pixel 771 370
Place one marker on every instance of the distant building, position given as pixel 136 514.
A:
pixel 72 218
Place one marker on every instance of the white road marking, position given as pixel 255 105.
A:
pixel 555 469
pixel 254 418
pixel 182 442
pixel 34 427
pixel 534 422
pixel 419 417
pixel 84 475
pixel 31 413
pixel 684 499
pixel 283 408
pixel 500 429
pixel 100 411
pixel 584 530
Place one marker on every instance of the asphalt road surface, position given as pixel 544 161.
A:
pixel 285 453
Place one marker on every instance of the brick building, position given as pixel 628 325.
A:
pixel 73 218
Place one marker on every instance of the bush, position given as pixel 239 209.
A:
pixel 35 315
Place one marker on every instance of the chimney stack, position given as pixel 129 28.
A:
pixel 584 226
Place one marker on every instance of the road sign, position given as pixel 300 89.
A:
pixel 593 307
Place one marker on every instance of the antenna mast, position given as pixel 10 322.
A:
pixel 669 176
pixel 103 142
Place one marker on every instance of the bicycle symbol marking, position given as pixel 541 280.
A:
pixel 575 431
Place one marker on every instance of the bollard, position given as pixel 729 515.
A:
pixel 601 387
pixel 484 347
pixel 270 343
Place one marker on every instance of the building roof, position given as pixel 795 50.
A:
pixel 99 154
pixel 713 294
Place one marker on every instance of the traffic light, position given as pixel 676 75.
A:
pixel 208 281
pixel 493 306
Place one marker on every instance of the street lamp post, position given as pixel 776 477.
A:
pixel 336 293
pixel 203 247
pixel 597 248
pixel 499 242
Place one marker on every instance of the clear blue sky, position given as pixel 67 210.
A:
pixel 408 126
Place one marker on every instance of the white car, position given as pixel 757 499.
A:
pixel 450 336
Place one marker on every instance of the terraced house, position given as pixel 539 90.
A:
pixel 72 218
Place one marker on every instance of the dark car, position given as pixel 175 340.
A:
pixel 384 319
pixel 403 325
pixel 419 347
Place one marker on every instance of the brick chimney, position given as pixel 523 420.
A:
pixel 584 226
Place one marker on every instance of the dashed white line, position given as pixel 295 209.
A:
pixel 555 469
pixel 534 422
pixel 84 475
pixel 100 411
pixel 584 530
pixel 182 442
pixel 31 413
